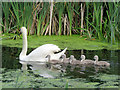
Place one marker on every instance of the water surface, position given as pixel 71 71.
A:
pixel 83 76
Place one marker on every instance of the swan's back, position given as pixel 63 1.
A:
pixel 73 60
pixel 103 63
pixel 66 60
pixel 76 62
pixel 43 51
pixel 87 61
pixel 55 62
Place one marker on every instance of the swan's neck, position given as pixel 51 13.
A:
pixel 64 58
pixel 24 48
pixel 96 60
pixel 24 67
pixel 71 60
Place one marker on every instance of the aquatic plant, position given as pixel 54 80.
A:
pixel 29 79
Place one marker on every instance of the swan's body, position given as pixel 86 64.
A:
pixel 52 60
pixel 64 59
pixel 73 60
pixel 86 61
pixel 100 63
pixel 39 53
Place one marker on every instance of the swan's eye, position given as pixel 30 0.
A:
pixel 48 56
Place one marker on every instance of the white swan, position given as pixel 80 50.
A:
pixel 39 53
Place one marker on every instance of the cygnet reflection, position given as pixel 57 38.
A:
pixel 43 69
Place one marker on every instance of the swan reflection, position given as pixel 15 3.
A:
pixel 43 69
pixel 52 70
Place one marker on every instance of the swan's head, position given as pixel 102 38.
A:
pixel 82 57
pixel 96 57
pixel 23 30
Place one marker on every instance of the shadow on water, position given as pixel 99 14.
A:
pixel 10 61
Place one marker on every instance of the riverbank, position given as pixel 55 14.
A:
pixel 73 42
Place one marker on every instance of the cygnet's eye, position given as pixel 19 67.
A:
pixel 61 57
pixel 80 58
pixel 47 56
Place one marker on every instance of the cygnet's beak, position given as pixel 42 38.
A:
pixel 94 59
pixel 80 58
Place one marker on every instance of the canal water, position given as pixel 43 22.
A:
pixel 15 73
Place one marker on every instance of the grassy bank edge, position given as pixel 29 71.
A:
pixel 74 42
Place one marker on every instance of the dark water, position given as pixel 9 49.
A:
pixel 10 57
pixel 11 63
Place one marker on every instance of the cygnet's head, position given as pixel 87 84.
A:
pixel 48 57
pixel 82 57
pixel 96 57
pixel 71 57
pixel 63 56
pixel 23 30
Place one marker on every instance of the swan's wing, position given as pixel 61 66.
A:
pixel 43 51
pixel 58 55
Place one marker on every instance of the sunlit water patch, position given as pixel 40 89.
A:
pixel 37 75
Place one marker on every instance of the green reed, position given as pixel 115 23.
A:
pixel 60 9
pixel 41 19
pixel 101 20
pixel 97 8
pixel 113 20
pixel 15 8
pixel 6 7
pixel 70 15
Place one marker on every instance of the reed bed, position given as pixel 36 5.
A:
pixel 89 19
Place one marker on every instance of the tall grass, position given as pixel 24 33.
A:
pixel 97 12
pixel 70 15
pixel 41 18
pixel 60 9
pixel 6 12
pixel 113 19
pixel 99 20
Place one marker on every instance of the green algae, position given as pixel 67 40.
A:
pixel 26 79
pixel 73 42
